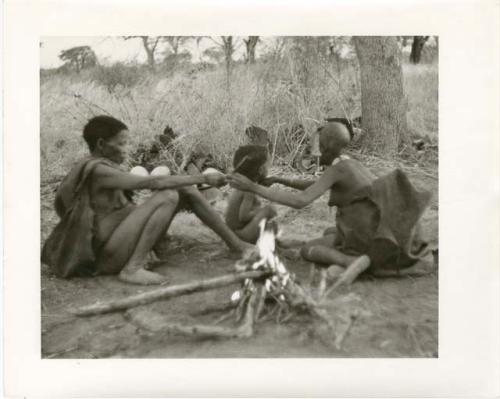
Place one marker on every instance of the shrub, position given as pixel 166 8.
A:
pixel 116 75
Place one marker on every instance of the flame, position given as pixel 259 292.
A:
pixel 265 257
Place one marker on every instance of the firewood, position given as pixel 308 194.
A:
pixel 152 321
pixel 164 293
pixel 350 274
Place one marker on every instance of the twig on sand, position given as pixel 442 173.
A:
pixel 156 323
pixel 164 293
pixel 214 309
pixel 340 337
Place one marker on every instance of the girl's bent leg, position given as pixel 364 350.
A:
pixel 127 248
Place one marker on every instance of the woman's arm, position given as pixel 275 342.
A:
pixel 108 177
pixel 299 184
pixel 293 199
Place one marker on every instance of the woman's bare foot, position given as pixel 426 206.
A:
pixel 289 243
pixel 334 272
pixel 142 276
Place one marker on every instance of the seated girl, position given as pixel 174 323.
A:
pixel 244 210
pixel 377 219
pixel 101 230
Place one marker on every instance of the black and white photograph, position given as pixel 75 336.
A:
pixel 228 196
pixel 265 199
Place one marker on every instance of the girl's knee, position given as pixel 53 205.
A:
pixel 189 191
pixel 167 197
pixel 305 251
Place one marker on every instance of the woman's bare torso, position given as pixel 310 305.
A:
pixel 351 177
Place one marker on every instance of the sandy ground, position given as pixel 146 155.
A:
pixel 397 317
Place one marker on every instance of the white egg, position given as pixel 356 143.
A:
pixel 139 171
pixel 210 170
pixel 161 171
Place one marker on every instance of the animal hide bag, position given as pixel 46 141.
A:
pixel 68 249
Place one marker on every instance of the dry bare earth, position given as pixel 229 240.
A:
pixel 397 317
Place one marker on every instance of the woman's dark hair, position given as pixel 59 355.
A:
pixel 101 127
pixel 248 159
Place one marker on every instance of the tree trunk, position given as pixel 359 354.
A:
pixel 149 51
pixel 416 48
pixel 228 56
pixel 250 44
pixel 383 102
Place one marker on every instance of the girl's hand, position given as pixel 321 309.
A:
pixel 215 179
pixel 240 182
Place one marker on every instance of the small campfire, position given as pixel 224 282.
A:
pixel 268 291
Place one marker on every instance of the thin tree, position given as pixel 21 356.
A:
pixel 150 44
pixel 383 101
pixel 416 48
pixel 251 44
pixel 227 45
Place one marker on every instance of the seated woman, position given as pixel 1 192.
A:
pixel 101 230
pixel 377 218
pixel 244 211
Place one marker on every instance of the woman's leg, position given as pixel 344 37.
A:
pixel 126 250
pixel 321 251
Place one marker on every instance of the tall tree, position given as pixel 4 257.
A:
pixel 383 101
pixel 150 44
pixel 416 48
pixel 79 57
pixel 251 44
pixel 227 45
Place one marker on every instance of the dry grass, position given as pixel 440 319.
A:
pixel 422 89
pixel 206 112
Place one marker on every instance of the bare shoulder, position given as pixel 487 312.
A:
pixel 346 164
pixel 104 170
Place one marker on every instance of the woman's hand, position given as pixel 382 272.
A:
pixel 215 179
pixel 269 181
pixel 240 182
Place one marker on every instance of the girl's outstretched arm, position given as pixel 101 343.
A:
pixel 108 177
pixel 293 199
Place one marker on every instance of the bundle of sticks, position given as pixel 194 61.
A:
pixel 268 290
